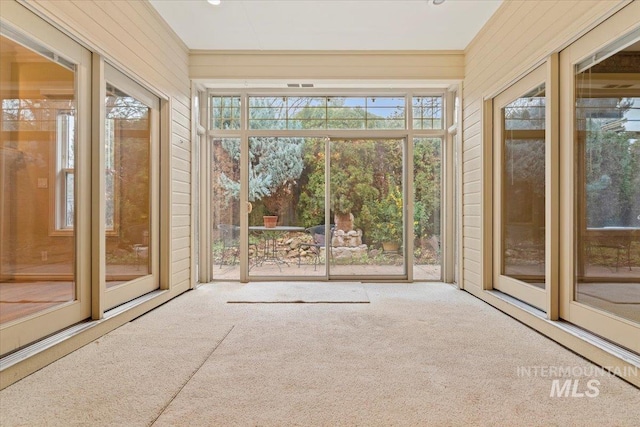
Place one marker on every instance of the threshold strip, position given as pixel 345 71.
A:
pixel 191 376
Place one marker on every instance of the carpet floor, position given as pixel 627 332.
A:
pixel 416 354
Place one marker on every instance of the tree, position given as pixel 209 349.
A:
pixel 275 164
pixel 612 167
pixel 427 187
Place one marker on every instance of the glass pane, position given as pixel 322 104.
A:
pixel 367 206
pixel 427 196
pixel 287 234
pixel 69 215
pixel 225 112
pixel 127 187
pixel 427 112
pixel 267 112
pixel 225 207
pixel 37 242
pixel 608 184
pixel 523 188
pixel 326 113
pixel 385 113
pixel 346 113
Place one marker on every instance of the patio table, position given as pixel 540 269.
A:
pixel 270 238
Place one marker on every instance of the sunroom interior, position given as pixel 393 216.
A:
pixel 138 164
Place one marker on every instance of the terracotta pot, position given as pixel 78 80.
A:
pixel 270 221
pixel 390 246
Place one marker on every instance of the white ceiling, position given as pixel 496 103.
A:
pixel 327 24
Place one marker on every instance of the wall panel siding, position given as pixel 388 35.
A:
pixel 518 36
pixel 132 36
pixel 441 65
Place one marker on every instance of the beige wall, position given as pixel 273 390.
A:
pixel 441 65
pixel 132 36
pixel 516 38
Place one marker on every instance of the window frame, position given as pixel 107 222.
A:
pixel 408 133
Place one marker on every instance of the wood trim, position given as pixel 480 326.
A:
pixel 486 204
pixel 552 188
pixel 98 245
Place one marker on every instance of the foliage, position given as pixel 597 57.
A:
pixel 427 187
pixel 361 171
pixel 275 164
pixel 387 216
pixel 288 174
pixel 310 205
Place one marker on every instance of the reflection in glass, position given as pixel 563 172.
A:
pixel 608 183
pixel 127 187
pixel 523 188
pixel 37 193
pixel 427 174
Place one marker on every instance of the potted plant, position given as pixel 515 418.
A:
pixel 270 221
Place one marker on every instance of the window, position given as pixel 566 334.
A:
pixel 326 112
pixel 65 147
pixel 109 170
pixel 346 158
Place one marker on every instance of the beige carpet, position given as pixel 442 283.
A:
pixel 419 354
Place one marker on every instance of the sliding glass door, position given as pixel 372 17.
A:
pixel 287 230
pixel 519 190
pixel 367 208
pixel 292 234
pixel 44 171
pixel 601 222
pixel 130 196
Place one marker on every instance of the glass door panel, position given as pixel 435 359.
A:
pixel 130 174
pixel 608 185
pixel 427 196
pixel 287 231
pixel 519 190
pixel 37 246
pixel 225 208
pixel 367 208
pixel 43 174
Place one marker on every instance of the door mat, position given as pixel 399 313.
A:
pixel 300 293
